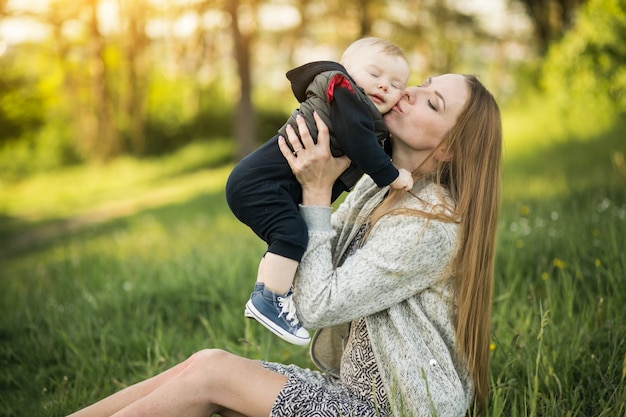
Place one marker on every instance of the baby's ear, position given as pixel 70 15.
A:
pixel 443 154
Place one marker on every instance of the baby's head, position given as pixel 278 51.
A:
pixel 380 68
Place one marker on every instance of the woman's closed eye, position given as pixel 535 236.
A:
pixel 431 105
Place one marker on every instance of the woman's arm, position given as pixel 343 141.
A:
pixel 403 254
pixel 313 165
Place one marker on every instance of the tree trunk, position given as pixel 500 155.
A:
pixel 103 135
pixel 551 18
pixel 245 116
pixel 134 48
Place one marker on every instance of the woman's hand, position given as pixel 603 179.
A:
pixel 313 164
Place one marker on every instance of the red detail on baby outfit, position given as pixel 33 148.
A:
pixel 337 81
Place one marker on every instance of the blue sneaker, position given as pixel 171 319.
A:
pixel 278 314
pixel 258 286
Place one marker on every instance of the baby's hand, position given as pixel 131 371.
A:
pixel 404 181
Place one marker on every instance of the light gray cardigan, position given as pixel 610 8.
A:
pixel 400 281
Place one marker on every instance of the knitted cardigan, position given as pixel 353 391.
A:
pixel 401 282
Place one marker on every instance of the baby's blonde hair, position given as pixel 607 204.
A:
pixel 386 46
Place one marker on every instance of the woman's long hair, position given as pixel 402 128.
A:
pixel 472 177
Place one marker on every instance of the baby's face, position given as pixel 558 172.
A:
pixel 381 76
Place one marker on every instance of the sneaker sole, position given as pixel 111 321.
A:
pixel 251 312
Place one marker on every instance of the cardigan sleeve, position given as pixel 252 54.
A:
pixel 403 255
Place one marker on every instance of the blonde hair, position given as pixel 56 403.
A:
pixel 472 177
pixel 387 47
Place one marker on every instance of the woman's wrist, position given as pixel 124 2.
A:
pixel 316 197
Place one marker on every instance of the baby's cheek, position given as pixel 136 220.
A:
pixel 397 96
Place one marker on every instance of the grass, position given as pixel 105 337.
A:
pixel 110 274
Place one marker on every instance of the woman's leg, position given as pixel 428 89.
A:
pixel 115 402
pixel 209 382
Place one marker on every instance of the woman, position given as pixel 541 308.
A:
pixel 411 272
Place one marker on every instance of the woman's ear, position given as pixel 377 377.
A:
pixel 443 154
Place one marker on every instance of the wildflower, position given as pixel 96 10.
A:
pixel 559 263
pixel 492 346
pixel 544 276
pixel 605 204
pixel 519 243
pixel 597 263
pixel 524 210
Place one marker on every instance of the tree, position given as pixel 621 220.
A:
pixel 102 135
pixel 551 18
pixel 586 70
pixel 21 106
pixel 134 44
pixel 245 114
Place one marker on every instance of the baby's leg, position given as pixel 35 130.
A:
pixel 277 272
pixel 271 304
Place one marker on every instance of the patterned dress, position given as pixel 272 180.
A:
pixel 358 392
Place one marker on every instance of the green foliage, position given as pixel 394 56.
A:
pixel 558 324
pixel 586 70
pixel 180 113
pixel 176 118
pixel 21 105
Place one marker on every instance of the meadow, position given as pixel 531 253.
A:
pixel 112 273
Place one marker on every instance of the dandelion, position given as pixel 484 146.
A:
pixel 524 210
pixel 554 215
pixel 519 243
pixel 492 346
pixel 597 263
pixel 544 276
pixel 559 263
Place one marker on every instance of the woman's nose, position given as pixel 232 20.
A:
pixel 410 94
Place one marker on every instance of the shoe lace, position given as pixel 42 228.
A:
pixel 289 309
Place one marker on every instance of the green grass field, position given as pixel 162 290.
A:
pixel 110 274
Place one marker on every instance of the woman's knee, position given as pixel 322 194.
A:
pixel 208 359
pixel 206 369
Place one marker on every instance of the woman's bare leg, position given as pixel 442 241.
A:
pixel 115 402
pixel 209 382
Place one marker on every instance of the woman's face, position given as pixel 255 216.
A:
pixel 426 113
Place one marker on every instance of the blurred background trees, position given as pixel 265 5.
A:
pixel 91 80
